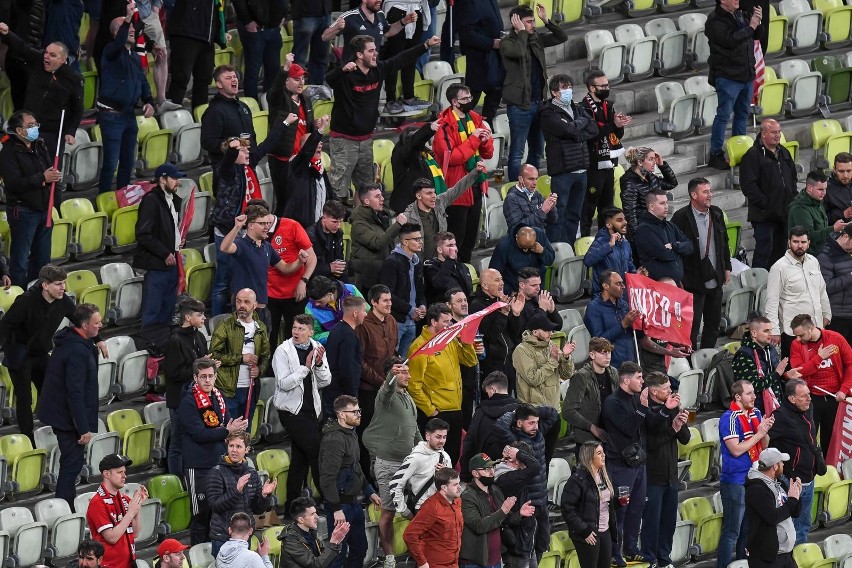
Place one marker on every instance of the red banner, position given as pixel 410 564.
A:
pixel 133 193
pixel 466 329
pixel 840 448
pixel 666 310
pixel 185 223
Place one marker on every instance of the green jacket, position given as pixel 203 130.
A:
pixel 371 243
pixel 226 346
pixel 517 49
pixel 582 405
pixel 340 476
pixel 810 214
pixel 393 430
pixel 296 552
pixel 479 521
pixel 539 376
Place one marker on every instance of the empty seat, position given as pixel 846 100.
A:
pixel 187 137
pixel 839 546
pixel 805 86
pixel 84 163
pixel 199 281
pixel 155 145
pixel 809 555
pixel 176 510
pixel 276 462
pixel 126 305
pixel 772 95
pixel 28 537
pixel 83 284
pixel 698 47
pixel 806 25
pixel 46 440
pixel 676 110
pixel 157 413
pixel 707 99
pixel 642 51
pixel 137 437
pixel 777 43
pixel 671 45
pixel 700 453
pixel 831 498
pixel 435 70
pixel 89 227
pixel 837 22
pixel 708 525
pixel 101 445
pixel 606 54
pixel 837 78
pixel 26 465
pixel 65 529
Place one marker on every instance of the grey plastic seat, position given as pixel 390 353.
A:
pixel 187 137
pixel 671 45
pixel 126 289
pixel 708 100
pixel 676 110
pixel 642 51
pixel 28 537
pixel 805 25
pixel 805 86
pixel 607 54
pixel 65 529
pixel 698 46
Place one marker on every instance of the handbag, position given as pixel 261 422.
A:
pixel 634 454
pixel 708 271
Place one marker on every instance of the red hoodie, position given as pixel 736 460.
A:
pixel 434 535
pixel 832 374
pixel 452 154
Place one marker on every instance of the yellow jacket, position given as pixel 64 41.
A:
pixel 435 382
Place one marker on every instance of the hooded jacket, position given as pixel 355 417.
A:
pixel 517 49
pixel 236 554
pixel 582 405
pixel 539 376
pixel 838 198
pixel 340 475
pixel 768 180
pixel 417 470
pixel 436 379
pixel 404 277
pixel 290 379
pixel 378 339
pixel 635 188
pixel 479 436
pixel 296 549
pixel 581 505
pixel 373 236
pixel 770 517
pixel 810 213
pixel 794 433
pixel 393 429
pixel 835 264
pixel 651 239
pixel 452 154
pixel 185 345
pixel 744 366
pixel 434 535
pixel 22 169
pixel 499 343
pixel 731 46
pixel 224 500
pixel 310 188
pixel 227 347
pixel 603 256
pixel 509 259
pixel 566 136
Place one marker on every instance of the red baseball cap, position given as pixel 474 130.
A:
pixel 296 71
pixel 170 546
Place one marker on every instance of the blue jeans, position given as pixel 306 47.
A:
pixel 803 521
pixel 524 128
pixel 159 296
pixel 221 294
pixel 353 549
pixel 429 32
pixel 262 48
pixel 215 546
pixel 30 248
pixel 174 460
pixel 658 523
pixel 118 131
pixel 733 97
pixel 405 333
pixel 237 405
pixel 307 34
pixel 571 191
pixel 71 461
pixel 626 538
pixel 734 524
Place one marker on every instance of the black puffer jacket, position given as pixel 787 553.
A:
pixel 506 433
pixel 634 189
pixel 581 505
pixel 768 180
pixel 26 18
pixel 480 432
pixel 566 138
pixel 22 169
pixel 796 435
pixel 224 499
pixel 280 106
pixel 836 267
pixel 838 198
pixel 662 448
pixel 731 45
pixel 652 236
pixel 394 275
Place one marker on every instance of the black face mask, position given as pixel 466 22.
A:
pixel 486 481
pixel 603 94
pixel 467 107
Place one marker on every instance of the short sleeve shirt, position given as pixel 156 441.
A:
pixel 288 238
pixel 734 469
pixel 358 24
pixel 252 267
pixel 105 512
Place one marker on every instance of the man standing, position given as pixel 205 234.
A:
pixel 480 29
pixel 113 516
pixel 303 530
pixel 345 356
pixel 708 267
pixel 835 263
pixel 301 370
pixel 587 390
pixel 609 316
pixel 768 180
pixel 540 365
pixel 158 242
pixel 757 361
pixel 604 150
pixel 795 430
pixel 413 481
pixel 838 195
pixel 71 409
pixel 444 272
pixel 807 210
pixel 527 207
pixel 660 244
pixel 195 28
pixel 366 19
pixel 499 343
pixel 731 34
pixel 402 273
pixel 434 536
pixel 479 437
pixel 389 437
pixel 771 512
pixel 122 84
pixel 436 382
pixel 610 250
pixel 660 513
pixel 373 235
pixel 241 344
pixel 259 26
pixel 795 287
pixel 342 481
pixel 744 434
pixel 457 301
pixel 530 300
pixel 525 85
pixel 327 239
pixel 567 130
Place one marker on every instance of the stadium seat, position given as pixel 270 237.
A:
pixel 806 33
pixel 831 502
pixel 698 47
pixel 837 78
pixel 495 223
pixel 176 510
pixel 821 131
pixel 400 523
pixel 155 145
pixel 101 445
pixel 90 90
pixel 137 437
pixel 805 87
pixel 690 385
pixel 735 148
pixel 8 296
pixel 187 150
pixel 550 559
pixel 561 542
pixel 558 472
pixel 839 547
pixel 676 110
pixel 581 337
pixel 26 465
pixel 45 440
pixel 28 537
pixel 85 287
pixel 754 278
pixel 700 453
pixel 809 555
pixel 606 54
pixel 772 95
pixel 435 70
pixel 638 8
pixel 778 40
pixel 737 309
pixel 84 161
pixel 710 433
pixel 199 281
pixel 707 99
pixel 82 500
pixel 191 257
pixel 126 286
pixel 277 463
pixel 568 276
pixel 321 108
pixel 65 529
pixel 205 182
pixel 89 227
pixel 837 21
pixel 671 45
pixel 157 414
pixel 642 51
pixel 708 525
pixel 200 555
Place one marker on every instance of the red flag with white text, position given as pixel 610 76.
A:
pixel 185 223
pixel 466 329
pixel 840 448
pixel 666 310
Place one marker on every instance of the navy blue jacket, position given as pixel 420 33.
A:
pixel 201 446
pixel 345 357
pixel 601 256
pixel 603 319
pixel 508 259
pixel 651 237
pixel 122 82
pixel 480 23
pixel 71 379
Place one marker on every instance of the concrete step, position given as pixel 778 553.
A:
pixel 683 166
pixel 717 179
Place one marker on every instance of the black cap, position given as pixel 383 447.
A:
pixel 540 321
pixel 114 461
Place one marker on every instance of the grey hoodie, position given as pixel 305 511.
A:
pixel 785 529
pixel 236 554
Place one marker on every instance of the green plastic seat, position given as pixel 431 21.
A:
pixel 260 121
pixel 708 524
pixel 836 144
pixel 777 32
pixel 86 288
pixel 137 437
pixel 252 103
pixel 836 22
pixel 191 257
pixel 123 233
pixel 836 76
pixel 90 89
pixel 107 203
pixel 7 297
pixel 277 464
pixel 772 97
pixel 831 504
pixel 155 145
pixel 205 182
pixel 561 542
pixel 322 108
pixel 168 489
pixel 399 525
pixel 198 112
pixel 199 281
pixel 809 555
pixel 550 559
pixel 90 227
pixel 700 453
pixel 26 465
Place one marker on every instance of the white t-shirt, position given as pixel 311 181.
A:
pixel 244 380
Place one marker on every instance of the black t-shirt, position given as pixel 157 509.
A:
pixel 604 385
pixel 654 361
pixel 308 404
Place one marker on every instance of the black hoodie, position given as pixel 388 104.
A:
pixel 479 434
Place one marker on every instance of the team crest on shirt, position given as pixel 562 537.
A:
pixel 278 240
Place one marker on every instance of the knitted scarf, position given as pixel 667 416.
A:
pixel 140 47
pixel 220 15
pixel 252 187
pixel 749 423
pixel 437 174
pixel 204 403
pixel 466 125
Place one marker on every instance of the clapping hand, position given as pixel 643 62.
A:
pixel 242 482
pixel 269 487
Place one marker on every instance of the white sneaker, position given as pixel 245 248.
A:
pixel 390 561
pixel 167 105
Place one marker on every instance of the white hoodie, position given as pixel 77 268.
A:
pixel 236 554
pixel 416 470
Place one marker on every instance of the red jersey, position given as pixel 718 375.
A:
pixel 287 239
pixel 105 512
pixel 832 374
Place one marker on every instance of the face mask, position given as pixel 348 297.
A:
pixel 566 96
pixel 32 133
pixel 467 107
pixel 486 481
pixel 603 94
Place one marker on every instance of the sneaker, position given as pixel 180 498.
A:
pixel 394 107
pixel 166 106
pixel 415 102
pixel 618 563
pixel 390 561
pixel 635 558
pixel 718 162
pixel 669 565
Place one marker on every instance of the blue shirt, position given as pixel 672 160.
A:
pixel 252 267
pixel 734 469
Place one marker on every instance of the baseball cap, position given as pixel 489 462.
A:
pixel 770 457
pixel 541 321
pixel 295 71
pixel 482 461
pixel 169 170
pixel 169 546
pixel 114 461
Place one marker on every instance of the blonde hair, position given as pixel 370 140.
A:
pixel 635 155
pixel 587 454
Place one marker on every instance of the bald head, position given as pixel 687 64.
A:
pixel 245 302
pixel 770 133
pixel 528 177
pixel 116 23
pixel 491 282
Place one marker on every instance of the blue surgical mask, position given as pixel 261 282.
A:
pixel 566 96
pixel 32 133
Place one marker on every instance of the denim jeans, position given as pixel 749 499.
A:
pixel 353 550
pixel 237 405
pixel 221 294
pixel 524 128
pixel 159 296
pixel 71 461
pixel 658 523
pixel 307 34
pixel 735 97
pixel 30 248
pixel 405 333
pixel 427 33
pixel 118 131
pixel 261 48
pixel 734 524
pixel 174 461
pixel 215 546
pixel 625 541
pixel 803 521
pixel 571 191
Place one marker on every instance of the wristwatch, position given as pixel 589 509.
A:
pixel 305 280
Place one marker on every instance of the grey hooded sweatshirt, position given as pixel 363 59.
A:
pixel 785 529
pixel 236 554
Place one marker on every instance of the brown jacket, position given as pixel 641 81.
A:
pixel 378 342
pixel 434 535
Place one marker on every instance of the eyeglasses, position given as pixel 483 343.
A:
pixel 418 239
pixel 33 125
pixel 356 412
pixel 466 99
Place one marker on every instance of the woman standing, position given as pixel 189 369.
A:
pixel 639 180
pixel 588 508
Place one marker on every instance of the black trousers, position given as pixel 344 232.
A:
pixel 463 222
pixel 786 342
pixel 469 386
pixel 491 104
pixel 825 409
pixel 71 461
pixel 196 484
pixel 286 308
pixel 278 172
pixel 367 402
pixel 596 555
pixel 18 72
pixel 30 373
pixel 395 45
pixel 600 195
pixel 708 303
pixel 454 419
pixel 843 326
pixel 190 58
pixel 780 561
pixel 304 430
